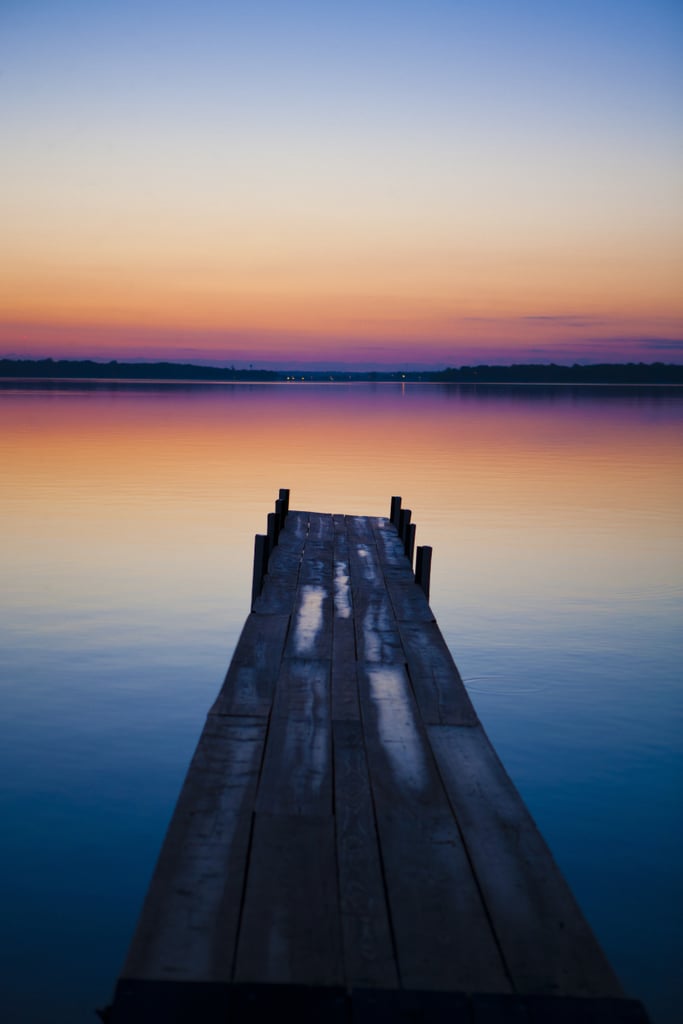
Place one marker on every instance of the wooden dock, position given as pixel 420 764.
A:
pixel 347 845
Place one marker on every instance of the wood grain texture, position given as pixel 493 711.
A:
pixel 345 704
pixel 377 635
pixel 310 634
pixel 439 690
pixel 369 958
pixel 250 681
pixel 442 933
pixel 188 925
pixel 297 766
pixel 547 945
pixel 291 928
pixel 321 527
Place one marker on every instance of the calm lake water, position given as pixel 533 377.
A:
pixel 128 515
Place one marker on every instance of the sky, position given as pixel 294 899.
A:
pixel 385 183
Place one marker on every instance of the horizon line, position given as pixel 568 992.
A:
pixel 319 367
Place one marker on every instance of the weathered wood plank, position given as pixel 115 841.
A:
pixel 321 527
pixel 297 524
pixel 310 634
pixel 409 601
pixel 285 562
pixel 294 534
pixel 359 528
pixel 439 690
pixel 441 930
pixel 343 594
pixel 297 765
pixel 388 542
pixel 188 925
pixel 303 690
pixel 339 524
pixel 547 945
pixel 369 958
pixel 276 598
pixel 250 681
pixel 364 561
pixel 377 635
pixel 343 606
pixel 291 928
pixel 317 566
pixel 345 704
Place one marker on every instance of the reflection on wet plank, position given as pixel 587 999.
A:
pixel 396 724
pixel 309 619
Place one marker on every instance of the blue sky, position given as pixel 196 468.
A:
pixel 239 180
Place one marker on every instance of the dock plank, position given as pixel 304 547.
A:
pixel 310 634
pixel 345 705
pixel 276 598
pixel 441 929
pixel 364 563
pixel 297 524
pixel 250 681
pixel 440 692
pixel 369 956
pixel 321 528
pixel 188 925
pixel 377 635
pixel 547 945
pixel 390 549
pixel 291 928
pixel 297 765
pixel 408 601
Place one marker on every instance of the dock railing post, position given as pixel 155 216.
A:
pixel 280 513
pixel 423 567
pixel 273 531
pixel 410 542
pixel 403 520
pixel 260 564
pixel 395 512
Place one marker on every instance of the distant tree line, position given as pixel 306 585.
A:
pixel 597 373
pixel 88 369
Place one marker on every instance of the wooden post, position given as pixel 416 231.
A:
pixel 395 513
pixel 273 531
pixel 284 497
pixel 403 520
pixel 260 563
pixel 418 564
pixel 423 567
pixel 410 542
pixel 280 513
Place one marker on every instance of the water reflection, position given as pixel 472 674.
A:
pixel 128 515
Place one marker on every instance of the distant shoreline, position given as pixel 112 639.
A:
pixel 87 370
